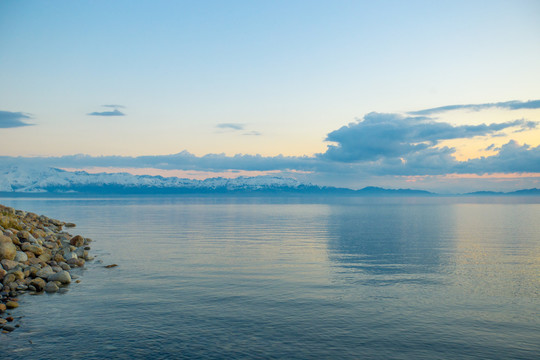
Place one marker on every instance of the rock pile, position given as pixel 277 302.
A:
pixel 36 256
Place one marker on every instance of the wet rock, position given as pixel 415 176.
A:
pixel 77 241
pixel 70 225
pixel 51 287
pixel 76 262
pixel 8 328
pixel 38 284
pixel 62 276
pixel 2 307
pixel 12 304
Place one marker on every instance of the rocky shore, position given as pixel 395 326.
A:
pixel 36 256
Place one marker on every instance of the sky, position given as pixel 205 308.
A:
pixel 441 96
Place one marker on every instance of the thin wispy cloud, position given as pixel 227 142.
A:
pixel 114 106
pixel 9 119
pixel 508 105
pixel 252 133
pixel 231 126
pixel 114 112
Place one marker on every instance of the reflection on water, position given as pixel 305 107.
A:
pixel 385 244
pixel 292 278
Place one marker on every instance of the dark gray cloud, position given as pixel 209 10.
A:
pixel 379 136
pixel 115 112
pixel 9 119
pixel 231 126
pixel 509 105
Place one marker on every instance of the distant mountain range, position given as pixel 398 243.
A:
pixel 24 180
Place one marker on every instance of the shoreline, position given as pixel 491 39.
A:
pixel 36 256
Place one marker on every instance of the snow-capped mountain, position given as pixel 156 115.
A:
pixel 36 180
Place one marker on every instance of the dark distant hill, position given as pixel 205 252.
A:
pixel 376 191
pixel 524 192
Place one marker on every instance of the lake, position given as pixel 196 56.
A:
pixel 291 278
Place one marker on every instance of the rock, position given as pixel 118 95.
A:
pixel 33 248
pixel 38 284
pixel 12 304
pixel 70 225
pixel 110 266
pixel 51 287
pixel 9 264
pixel 58 257
pixel 76 262
pixel 62 276
pixel 8 279
pixel 65 266
pixel 25 236
pixel 18 274
pixel 7 249
pixel 45 257
pixel 77 241
pixel 8 328
pixel 22 287
pixel 20 257
pixel 33 270
pixel 2 321
pixel 2 307
pixel 70 255
pixel 45 272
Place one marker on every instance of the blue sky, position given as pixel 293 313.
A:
pixel 348 93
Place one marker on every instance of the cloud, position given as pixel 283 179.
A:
pixel 511 158
pixel 509 105
pixel 114 106
pixel 231 126
pixel 115 112
pixel 377 145
pixel 252 133
pixel 10 119
pixel 380 136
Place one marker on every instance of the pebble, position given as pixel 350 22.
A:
pixel 36 255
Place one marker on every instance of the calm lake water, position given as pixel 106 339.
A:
pixel 292 278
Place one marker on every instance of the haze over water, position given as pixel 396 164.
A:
pixel 343 278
